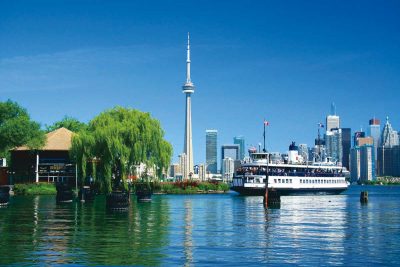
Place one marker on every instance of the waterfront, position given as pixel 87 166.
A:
pixel 199 230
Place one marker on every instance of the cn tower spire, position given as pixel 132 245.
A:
pixel 188 80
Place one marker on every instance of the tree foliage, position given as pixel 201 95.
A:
pixel 70 123
pixel 17 129
pixel 117 140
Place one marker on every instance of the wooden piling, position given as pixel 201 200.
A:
pixel 364 197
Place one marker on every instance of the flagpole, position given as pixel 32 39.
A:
pixel 264 138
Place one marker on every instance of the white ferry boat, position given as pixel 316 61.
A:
pixel 292 176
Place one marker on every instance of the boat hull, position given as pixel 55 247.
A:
pixel 251 191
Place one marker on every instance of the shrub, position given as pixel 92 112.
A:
pixel 35 189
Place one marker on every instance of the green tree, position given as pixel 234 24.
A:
pixel 17 129
pixel 70 123
pixel 116 141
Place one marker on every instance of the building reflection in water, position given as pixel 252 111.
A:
pixel 188 241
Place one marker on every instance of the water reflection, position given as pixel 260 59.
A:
pixel 37 231
pixel 204 230
pixel 188 241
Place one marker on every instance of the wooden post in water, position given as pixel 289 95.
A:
pixel 364 197
pixel 265 201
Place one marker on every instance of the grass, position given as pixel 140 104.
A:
pixel 35 189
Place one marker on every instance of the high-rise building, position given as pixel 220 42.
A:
pixel 239 140
pixel 188 90
pixel 202 172
pixel 355 164
pixel 367 163
pixel 174 170
pixel 389 137
pixel 362 163
pixel 333 142
pixel 183 165
pixel 228 169
pixel 388 163
pixel 365 141
pixel 358 134
pixel 374 130
pixel 332 120
pixel 346 145
pixel 303 151
pixel 211 151
pixel 230 151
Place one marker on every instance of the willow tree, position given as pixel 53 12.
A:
pixel 115 142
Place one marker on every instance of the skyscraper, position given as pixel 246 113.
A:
pixel 239 140
pixel 362 163
pixel 346 144
pixel 211 151
pixel 228 169
pixel 303 151
pixel 188 90
pixel 230 151
pixel 332 120
pixel 357 135
pixel 374 130
pixel 333 142
pixel 388 152
pixel 389 137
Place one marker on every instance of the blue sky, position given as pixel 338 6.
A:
pixel 285 61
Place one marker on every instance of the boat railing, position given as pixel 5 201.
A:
pixel 301 174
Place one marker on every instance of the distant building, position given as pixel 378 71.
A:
pixel 228 169
pixel 174 170
pixel 202 172
pixel 374 130
pixel 230 151
pixel 389 137
pixel 346 145
pixel 355 164
pixel 239 140
pixel 303 151
pixel 363 163
pixel 365 141
pixel 333 143
pixel 211 151
pixel 358 134
pixel 332 120
pixel 388 162
pixel 183 165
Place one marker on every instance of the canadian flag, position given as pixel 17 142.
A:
pixel 266 123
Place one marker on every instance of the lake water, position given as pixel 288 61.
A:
pixel 206 230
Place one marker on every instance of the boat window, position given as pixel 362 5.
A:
pixel 287 181
pixel 274 180
pixel 290 181
pixel 279 180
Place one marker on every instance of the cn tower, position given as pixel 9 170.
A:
pixel 188 90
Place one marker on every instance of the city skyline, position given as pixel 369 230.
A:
pixel 251 62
